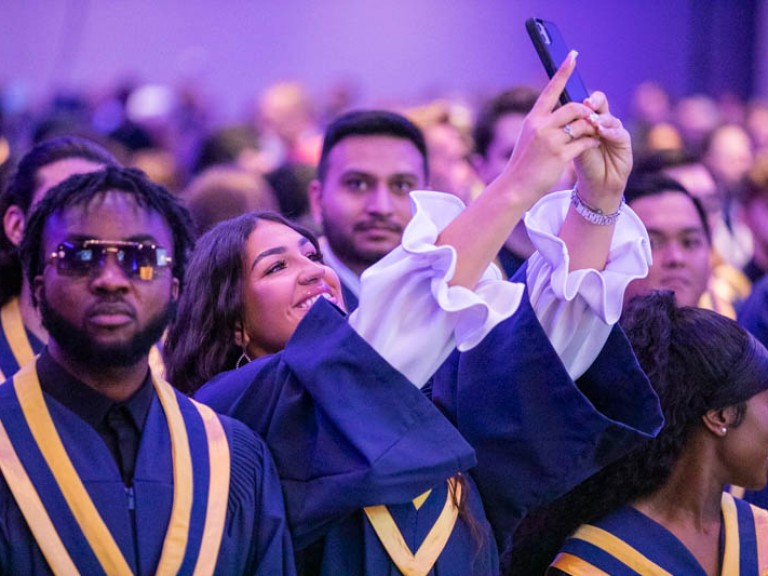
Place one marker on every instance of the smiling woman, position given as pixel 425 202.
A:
pixel 284 276
pixel 250 282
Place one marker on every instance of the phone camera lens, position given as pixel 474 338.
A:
pixel 543 33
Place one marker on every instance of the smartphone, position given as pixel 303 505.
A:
pixel 552 50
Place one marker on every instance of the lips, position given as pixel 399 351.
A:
pixel 673 282
pixel 379 226
pixel 112 314
pixel 307 302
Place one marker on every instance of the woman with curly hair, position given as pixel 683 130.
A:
pixel 663 508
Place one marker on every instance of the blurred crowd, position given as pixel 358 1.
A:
pixel 716 147
pixel 345 182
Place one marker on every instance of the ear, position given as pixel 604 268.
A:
pixel 241 338
pixel 13 224
pixel 175 289
pixel 718 421
pixel 315 199
pixel 38 289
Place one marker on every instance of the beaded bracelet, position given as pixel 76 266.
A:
pixel 594 215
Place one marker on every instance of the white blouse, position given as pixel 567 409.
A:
pixel 411 316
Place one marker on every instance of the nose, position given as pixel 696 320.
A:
pixel 311 272
pixel 673 255
pixel 110 277
pixel 380 200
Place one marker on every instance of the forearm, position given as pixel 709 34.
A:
pixel 577 305
pixel 588 244
pixel 479 232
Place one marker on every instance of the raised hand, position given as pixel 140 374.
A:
pixel 550 138
pixel 603 171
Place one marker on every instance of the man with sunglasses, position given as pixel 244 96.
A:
pixel 105 468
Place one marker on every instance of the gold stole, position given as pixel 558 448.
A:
pixel 13 327
pixel 391 538
pixel 96 532
pixel 642 565
pixel 731 554
pixel 615 546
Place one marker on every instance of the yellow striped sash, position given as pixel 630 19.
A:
pixel 391 538
pixel 576 566
pixel 218 490
pixel 13 327
pixel 731 557
pixel 83 509
pixel 619 549
pixel 33 510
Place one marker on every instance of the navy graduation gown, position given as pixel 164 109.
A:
pixel 647 547
pixel 346 431
pixel 255 538
pixel 351 301
pixel 12 329
pixel 538 433
pixel 352 546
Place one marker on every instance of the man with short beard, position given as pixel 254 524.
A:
pixel 370 162
pixel 106 468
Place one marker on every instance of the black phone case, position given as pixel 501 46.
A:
pixel 552 55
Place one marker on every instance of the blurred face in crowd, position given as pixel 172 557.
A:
pixel 363 205
pixel 47 177
pixel 698 180
pixel 450 170
pixel 729 154
pixel 104 314
pixel 283 276
pixel 679 245
pixel 505 133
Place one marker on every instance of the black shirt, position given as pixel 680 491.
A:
pixel 119 424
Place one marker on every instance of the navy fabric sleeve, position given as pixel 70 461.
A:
pixel 346 429
pixel 538 433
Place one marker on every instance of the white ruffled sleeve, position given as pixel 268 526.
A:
pixel 407 311
pixel 578 308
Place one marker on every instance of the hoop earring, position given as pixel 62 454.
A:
pixel 242 360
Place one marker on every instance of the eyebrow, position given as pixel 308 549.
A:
pixel 364 174
pixel 689 230
pixel 276 250
pixel 138 238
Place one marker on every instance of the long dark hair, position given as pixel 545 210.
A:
pixel 696 360
pixel 200 343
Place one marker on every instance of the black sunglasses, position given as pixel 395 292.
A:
pixel 87 258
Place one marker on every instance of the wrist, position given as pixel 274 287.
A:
pixel 596 214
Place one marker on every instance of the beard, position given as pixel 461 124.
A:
pixel 78 345
pixel 349 252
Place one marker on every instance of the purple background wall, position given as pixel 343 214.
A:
pixel 397 51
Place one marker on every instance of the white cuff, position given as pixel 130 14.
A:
pixel 628 259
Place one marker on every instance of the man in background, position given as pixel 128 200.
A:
pixel 370 161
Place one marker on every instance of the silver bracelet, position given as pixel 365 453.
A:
pixel 594 215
